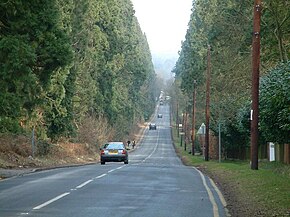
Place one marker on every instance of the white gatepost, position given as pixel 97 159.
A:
pixel 271 151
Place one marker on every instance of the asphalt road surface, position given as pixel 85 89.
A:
pixel 154 184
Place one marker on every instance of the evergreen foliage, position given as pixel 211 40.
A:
pixel 32 49
pixel 275 104
pixel 63 61
pixel 227 26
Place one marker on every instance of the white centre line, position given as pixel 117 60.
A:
pixel 85 183
pixel 155 148
pixel 118 168
pixel 98 177
pixel 51 201
pixel 74 189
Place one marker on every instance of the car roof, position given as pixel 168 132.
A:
pixel 115 143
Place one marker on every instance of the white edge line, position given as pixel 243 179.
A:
pixel 211 197
pixel 111 170
pixel 51 201
pixel 85 183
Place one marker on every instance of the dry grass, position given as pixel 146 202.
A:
pixel 19 144
pixel 16 152
pixel 95 131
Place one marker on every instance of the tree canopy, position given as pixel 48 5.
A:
pixel 63 61
pixel 227 27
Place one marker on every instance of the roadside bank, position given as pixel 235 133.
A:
pixel 66 154
pixel 256 193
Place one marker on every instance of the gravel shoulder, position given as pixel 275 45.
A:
pixel 8 173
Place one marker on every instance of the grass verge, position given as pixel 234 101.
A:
pixel 264 192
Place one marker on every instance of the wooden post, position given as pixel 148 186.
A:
pixel 287 153
pixel 193 117
pixel 206 151
pixel 255 84
pixel 177 119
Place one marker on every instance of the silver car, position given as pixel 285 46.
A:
pixel 152 126
pixel 114 151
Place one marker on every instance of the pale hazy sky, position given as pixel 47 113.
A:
pixel 164 23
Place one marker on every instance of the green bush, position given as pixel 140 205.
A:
pixel 8 124
pixel 275 104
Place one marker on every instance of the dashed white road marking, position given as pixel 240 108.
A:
pixel 73 189
pixel 118 168
pixel 51 201
pixel 84 184
pixel 100 176
pixel 111 170
pixel 157 142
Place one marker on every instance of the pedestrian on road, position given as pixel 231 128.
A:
pixel 133 144
pixel 128 143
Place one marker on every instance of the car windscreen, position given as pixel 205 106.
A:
pixel 115 146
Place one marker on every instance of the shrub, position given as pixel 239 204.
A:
pixel 275 104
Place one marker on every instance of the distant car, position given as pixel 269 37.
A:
pixel 114 151
pixel 159 116
pixel 152 126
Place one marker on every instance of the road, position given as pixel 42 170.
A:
pixel 154 184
